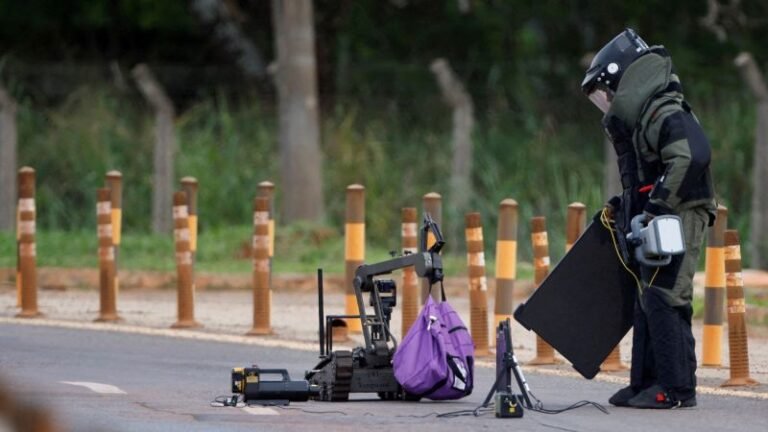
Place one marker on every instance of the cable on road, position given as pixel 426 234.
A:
pixel 283 407
pixel 225 401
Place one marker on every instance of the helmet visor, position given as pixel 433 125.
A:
pixel 601 99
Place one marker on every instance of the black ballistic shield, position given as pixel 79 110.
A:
pixel 585 306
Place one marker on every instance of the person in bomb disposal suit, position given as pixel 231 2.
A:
pixel 663 157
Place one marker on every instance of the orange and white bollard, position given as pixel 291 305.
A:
pixel 184 271
pixel 432 203
pixel 506 260
pixel 714 292
pixel 266 189
pixel 189 186
pixel 410 286
pixel 478 283
pixel 545 354
pixel 262 293
pixel 114 182
pixel 574 223
pixel 354 249
pixel 737 327
pixel 107 292
pixel 27 245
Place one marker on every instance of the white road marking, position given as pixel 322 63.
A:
pixel 257 410
pixel 96 387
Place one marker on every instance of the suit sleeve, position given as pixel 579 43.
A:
pixel 685 155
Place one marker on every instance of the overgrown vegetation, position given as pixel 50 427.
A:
pixel 537 138
pixel 231 146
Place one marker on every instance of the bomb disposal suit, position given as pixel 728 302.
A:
pixel 663 158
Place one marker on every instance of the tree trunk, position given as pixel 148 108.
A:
pixel 463 122
pixel 759 214
pixel 165 146
pixel 299 135
pixel 611 178
pixel 8 161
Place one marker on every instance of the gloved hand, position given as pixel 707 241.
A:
pixel 617 130
pixel 611 207
pixel 613 204
pixel 648 216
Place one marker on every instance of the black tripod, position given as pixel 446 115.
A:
pixel 507 404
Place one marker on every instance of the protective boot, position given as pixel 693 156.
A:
pixel 655 397
pixel 621 398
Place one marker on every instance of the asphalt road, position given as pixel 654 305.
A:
pixel 168 385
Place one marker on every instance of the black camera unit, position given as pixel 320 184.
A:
pixel 250 383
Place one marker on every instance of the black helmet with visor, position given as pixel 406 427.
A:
pixel 608 66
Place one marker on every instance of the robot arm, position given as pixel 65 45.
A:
pixel 427 263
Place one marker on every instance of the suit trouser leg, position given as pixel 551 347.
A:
pixel 643 370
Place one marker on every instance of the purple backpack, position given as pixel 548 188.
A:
pixel 435 360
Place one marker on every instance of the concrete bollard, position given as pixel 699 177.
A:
pixel 189 186
pixel 737 327
pixel 714 292
pixel 478 283
pixel 432 203
pixel 410 228
pixel 266 189
pixel 262 294
pixel 354 249
pixel 184 270
pixel 27 247
pixel 107 291
pixel 506 260
pixel 114 180
pixel 545 354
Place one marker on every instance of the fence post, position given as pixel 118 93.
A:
pixel 8 158
pixel 266 189
pixel 115 185
pixel 478 283
pixel 410 286
pixel 506 260
pixel 189 186
pixel 714 292
pixel 737 327
pixel 354 250
pixel 164 148
pixel 262 294
pixel 27 246
pixel 185 276
pixel 545 354
pixel 432 203
pixel 107 294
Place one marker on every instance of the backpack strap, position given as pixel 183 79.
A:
pixel 442 290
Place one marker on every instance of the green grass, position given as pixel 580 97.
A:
pixel 298 249
pixel 760 300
